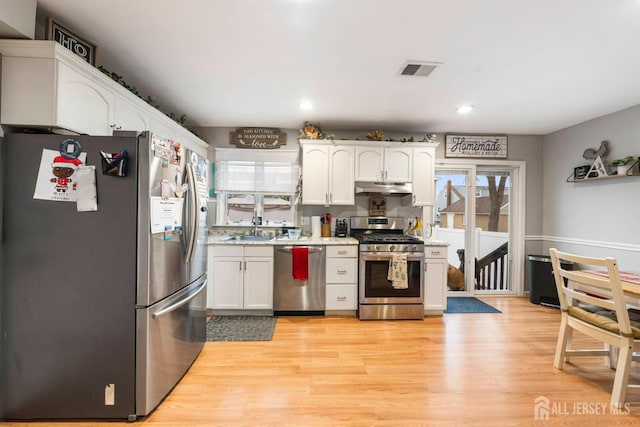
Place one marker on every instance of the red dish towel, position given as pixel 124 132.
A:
pixel 300 262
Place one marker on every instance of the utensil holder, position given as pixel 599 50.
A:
pixel 326 230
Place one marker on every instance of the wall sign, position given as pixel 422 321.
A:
pixel 261 138
pixel 476 146
pixel 83 48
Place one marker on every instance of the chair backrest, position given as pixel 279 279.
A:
pixel 577 287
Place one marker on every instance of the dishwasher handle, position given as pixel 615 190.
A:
pixel 288 249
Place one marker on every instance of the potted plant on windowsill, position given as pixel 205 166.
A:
pixel 623 165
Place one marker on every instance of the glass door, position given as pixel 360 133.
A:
pixel 473 214
pixel 493 225
pixel 452 222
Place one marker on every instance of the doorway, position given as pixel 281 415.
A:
pixel 479 212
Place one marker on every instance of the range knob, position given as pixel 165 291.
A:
pixel 392 248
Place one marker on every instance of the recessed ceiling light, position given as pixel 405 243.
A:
pixel 305 105
pixel 464 109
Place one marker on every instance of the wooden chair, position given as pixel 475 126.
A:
pixel 595 305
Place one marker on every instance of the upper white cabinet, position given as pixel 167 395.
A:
pixel 331 168
pixel 46 85
pixel 423 176
pixel 327 174
pixel 383 164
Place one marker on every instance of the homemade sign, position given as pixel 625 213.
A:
pixel 476 146
pixel 83 48
pixel 261 138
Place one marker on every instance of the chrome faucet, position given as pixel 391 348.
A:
pixel 256 221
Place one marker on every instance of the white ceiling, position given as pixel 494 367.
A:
pixel 529 66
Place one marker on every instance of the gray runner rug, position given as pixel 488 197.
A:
pixel 240 328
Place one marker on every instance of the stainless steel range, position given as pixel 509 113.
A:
pixel 382 242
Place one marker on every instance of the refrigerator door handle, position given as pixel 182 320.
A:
pixel 174 306
pixel 192 194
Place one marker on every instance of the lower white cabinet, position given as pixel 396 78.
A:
pixel 241 277
pixel 342 278
pixel 435 280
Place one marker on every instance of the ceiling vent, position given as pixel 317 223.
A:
pixel 415 68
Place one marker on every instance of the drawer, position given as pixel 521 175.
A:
pixel 342 270
pixel 342 251
pixel 228 250
pixel 341 297
pixel 251 250
pixel 435 251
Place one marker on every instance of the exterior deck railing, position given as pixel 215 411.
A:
pixel 493 270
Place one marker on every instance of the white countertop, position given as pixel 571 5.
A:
pixel 228 240
pixel 436 243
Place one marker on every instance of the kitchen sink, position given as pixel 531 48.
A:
pixel 251 238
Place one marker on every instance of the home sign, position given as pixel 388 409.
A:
pixel 71 41
pixel 260 138
pixel 476 146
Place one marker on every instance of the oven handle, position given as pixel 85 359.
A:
pixel 385 256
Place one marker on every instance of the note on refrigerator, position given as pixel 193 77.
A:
pixel 165 213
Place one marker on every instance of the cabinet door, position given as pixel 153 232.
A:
pixel 258 283
pixel 341 176
pixel 210 275
pixel 227 282
pixel 435 284
pixel 315 175
pixel 369 164
pixel 127 116
pixel 83 105
pixel 397 164
pixel 423 176
pixel 158 126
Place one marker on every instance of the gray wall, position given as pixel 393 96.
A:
pixel 521 147
pixel 593 217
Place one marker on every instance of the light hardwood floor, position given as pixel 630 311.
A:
pixel 455 370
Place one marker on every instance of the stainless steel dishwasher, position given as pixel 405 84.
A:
pixel 301 297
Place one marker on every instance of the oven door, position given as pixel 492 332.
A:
pixel 375 288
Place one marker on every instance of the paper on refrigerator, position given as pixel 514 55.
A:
pixel 165 213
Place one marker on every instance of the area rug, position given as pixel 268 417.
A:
pixel 468 305
pixel 240 328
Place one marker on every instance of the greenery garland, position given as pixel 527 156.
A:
pixel 149 100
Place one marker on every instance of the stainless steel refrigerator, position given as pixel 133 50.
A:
pixel 103 309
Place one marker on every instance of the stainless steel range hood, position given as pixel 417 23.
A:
pixel 383 188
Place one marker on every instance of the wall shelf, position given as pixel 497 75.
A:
pixel 630 172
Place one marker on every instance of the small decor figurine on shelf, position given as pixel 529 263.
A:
pixel 375 136
pixel 592 154
pixel 311 131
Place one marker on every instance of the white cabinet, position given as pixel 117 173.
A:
pixel 46 85
pixel 435 280
pixel 383 164
pixel 423 180
pixel 241 277
pixel 127 116
pixel 342 278
pixel 327 174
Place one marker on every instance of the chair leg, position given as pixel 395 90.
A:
pixel 610 360
pixel 564 338
pixel 621 380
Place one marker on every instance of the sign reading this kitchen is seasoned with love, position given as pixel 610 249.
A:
pixel 261 138
pixel 476 146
